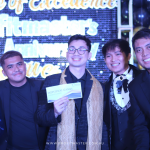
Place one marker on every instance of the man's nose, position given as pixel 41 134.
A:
pixel 16 68
pixel 145 52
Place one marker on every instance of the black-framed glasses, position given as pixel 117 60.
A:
pixel 81 50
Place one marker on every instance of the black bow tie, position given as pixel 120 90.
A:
pixel 122 83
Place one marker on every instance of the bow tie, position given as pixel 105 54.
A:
pixel 122 83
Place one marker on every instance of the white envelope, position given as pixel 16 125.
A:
pixel 71 90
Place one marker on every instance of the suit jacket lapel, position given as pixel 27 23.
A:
pixel 146 84
pixel 6 99
pixel 88 87
pixel 107 105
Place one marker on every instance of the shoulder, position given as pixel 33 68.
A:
pixel 136 70
pixel 136 81
pixel 51 80
pixel 3 82
pixel 35 83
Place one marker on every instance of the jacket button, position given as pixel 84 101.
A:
pixel 121 139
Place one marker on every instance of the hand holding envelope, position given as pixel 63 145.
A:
pixel 60 105
pixel 61 94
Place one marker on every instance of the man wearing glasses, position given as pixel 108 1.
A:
pixel 80 124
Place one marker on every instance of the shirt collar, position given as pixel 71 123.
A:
pixel 74 78
pixel 126 72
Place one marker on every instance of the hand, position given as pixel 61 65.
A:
pixel 60 105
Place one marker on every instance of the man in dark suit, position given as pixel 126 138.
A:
pixel 117 104
pixel 18 98
pixel 140 90
pixel 81 122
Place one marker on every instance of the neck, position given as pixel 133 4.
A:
pixel 18 84
pixel 77 72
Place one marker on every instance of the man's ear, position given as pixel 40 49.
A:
pixel 90 55
pixel 4 73
pixel 129 56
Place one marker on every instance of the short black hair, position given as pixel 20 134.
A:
pixel 9 54
pixel 80 37
pixel 122 44
pixel 143 33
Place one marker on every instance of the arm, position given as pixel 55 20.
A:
pixel 48 114
pixel 140 130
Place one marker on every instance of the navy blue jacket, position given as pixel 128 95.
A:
pixel 45 112
pixel 123 121
pixel 140 99
pixel 5 99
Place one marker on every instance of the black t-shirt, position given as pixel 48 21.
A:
pixel 22 126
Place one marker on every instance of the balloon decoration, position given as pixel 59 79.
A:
pixel 141 13
pixel 141 18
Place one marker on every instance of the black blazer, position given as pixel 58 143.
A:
pixel 124 127
pixel 140 99
pixel 45 112
pixel 5 99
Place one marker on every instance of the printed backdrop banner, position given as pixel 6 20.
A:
pixel 40 30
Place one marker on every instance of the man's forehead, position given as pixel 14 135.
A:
pixel 13 60
pixel 78 43
pixel 142 41
pixel 113 50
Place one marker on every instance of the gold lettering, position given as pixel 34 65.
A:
pixel 42 5
pixel 48 6
pixel 99 4
pixel 19 7
pixel 83 2
pixel 71 3
pixel 2 77
pixel 12 4
pixel 36 69
pixel 32 6
pixel 77 3
pixel 46 70
pixel 2 4
pixel 57 6
pixel 65 3
pixel 92 3
pixel 112 3
pixel 29 69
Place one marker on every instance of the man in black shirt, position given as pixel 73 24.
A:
pixel 18 97
pixel 81 122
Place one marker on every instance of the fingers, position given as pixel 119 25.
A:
pixel 60 105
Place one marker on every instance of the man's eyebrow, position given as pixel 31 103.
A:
pixel 140 47
pixel 117 51
pixel 9 65
pixel 147 44
pixel 20 62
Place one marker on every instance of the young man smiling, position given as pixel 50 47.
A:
pixel 140 90
pixel 81 122
pixel 117 103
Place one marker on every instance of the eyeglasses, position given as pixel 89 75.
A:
pixel 81 50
